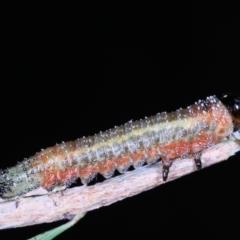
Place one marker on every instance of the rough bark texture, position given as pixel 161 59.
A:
pixel 42 207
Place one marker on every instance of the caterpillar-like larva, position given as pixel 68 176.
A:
pixel 165 136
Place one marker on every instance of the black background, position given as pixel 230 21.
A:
pixel 75 68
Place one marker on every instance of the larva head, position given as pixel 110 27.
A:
pixel 232 103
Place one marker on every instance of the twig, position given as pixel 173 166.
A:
pixel 40 207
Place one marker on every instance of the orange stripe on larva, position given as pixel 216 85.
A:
pixel 166 136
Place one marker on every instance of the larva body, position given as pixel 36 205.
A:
pixel 165 136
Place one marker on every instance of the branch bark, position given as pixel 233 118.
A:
pixel 40 207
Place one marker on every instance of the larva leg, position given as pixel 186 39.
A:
pixel 166 165
pixel 197 160
pixel 165 173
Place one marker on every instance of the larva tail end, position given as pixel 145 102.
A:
pixel 14 182
pixel 5 187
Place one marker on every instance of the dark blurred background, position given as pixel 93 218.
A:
pixel 74 68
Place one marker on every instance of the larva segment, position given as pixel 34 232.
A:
pixel 153 154
pixel 138 158
pixel 123 162
pixel 87 173
pixel 166 136
pixel 107 167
